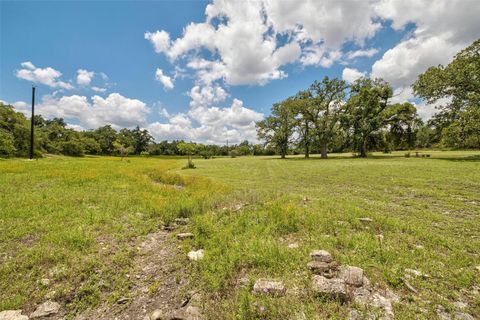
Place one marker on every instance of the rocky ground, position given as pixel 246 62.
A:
pixel 161 287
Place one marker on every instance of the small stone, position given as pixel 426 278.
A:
pixel 323 268
pixel 361 295
pixel 269 287
pixel 45 282
pixel 12 315
pixel 353 314
pixel 442 313
pixel 321 255
pixel 409 286
pixel 365 219
pixel 188 313
pixel 183 236
pixel 477 268
pixel 242 281
pixel 419 247
pixel 123 300
pixel 168 228
pixel 195 298
pixel 383 303
pixel 182 221
pixel 332 288
pixel 352 275
pixel 390 295
pixel 196 255
pixel 45 309
pixel 156 315
pixel 416 273
pixel 193 313
pixel 293 245
pixel 295 291
pixel 460 304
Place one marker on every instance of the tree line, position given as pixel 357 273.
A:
pixel 333 116
pixel 54 137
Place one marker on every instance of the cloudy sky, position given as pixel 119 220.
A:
pixel 206 71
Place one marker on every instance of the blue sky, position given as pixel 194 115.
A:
pixel 222 64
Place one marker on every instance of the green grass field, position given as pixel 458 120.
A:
pixel 77 221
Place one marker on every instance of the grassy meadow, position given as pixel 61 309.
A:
pixel 77 221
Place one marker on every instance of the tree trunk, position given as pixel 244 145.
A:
pixel 363 149
pixel 282 155
pixel 307 143
pixel 323 150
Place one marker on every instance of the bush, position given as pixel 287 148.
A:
pixel 91 146
pixel 7 144
pixel 72 148
pixel 189 165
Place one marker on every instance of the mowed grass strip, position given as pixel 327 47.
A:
pixel 76 222
pixel 426 209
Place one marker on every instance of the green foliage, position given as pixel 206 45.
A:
pixel 458 81
pixel 455 87
pixel 121 150
pixel 90 145
pixel 105 136
pixel 277 129
pixel 15 129
pixel 463 133
pixel 72 148
pixel 188 149
pixel 402 123
pixel 7 146
pixel 321 107
pixel 364 115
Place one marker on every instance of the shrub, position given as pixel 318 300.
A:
pixel 72 148
pixel 7 146
pixel 190 165
pixel 91 146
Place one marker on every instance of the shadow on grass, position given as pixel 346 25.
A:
pixel 334 157
pixel 473 158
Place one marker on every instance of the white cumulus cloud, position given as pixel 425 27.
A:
pixel 210 124
pixel 242 37
pixel 164 79
pixel 47 76
pixel 116 110
pixel 350 74
pixel 84 77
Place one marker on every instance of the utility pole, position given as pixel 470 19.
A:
pixel 32 123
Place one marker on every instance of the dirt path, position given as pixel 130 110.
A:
pixel 160 285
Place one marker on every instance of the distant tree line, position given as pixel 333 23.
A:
pixel 54 137
pixel 333 116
